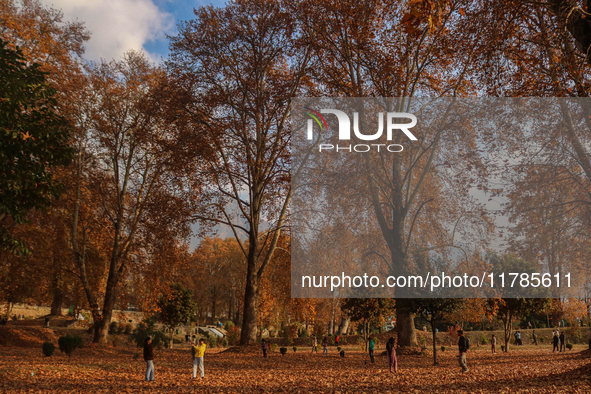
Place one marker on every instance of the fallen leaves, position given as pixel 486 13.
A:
pixel 105 370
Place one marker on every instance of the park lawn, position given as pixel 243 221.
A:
pixel 118 370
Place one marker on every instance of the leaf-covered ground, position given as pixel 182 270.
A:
pixel 120 370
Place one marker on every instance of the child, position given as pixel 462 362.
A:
pixel 325 346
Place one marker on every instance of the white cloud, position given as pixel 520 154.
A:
pixel 117 26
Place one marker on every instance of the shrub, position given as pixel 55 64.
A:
pixel 502 348
pixel 331 341
pixel 541 339
pixel 213 341
pixel 229 324
pixel 283 350
pixel 483 339
pixel 225 342
pixel 113 328
pixel 343 341
pixel 69 343
pixel 48 348
pixel 338 348
pixel 443 348
pixel 295 349
pixel 569 346
pixel 274 346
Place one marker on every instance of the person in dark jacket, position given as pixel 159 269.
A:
pixel 391 353
pixel 149 357
pixel 463 348
pixel 562 339
pixel 555 342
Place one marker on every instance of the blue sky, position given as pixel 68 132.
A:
pixel 181 10
pixel 117 26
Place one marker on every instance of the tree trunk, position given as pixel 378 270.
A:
pixel 331 327
pixel 507 324
pixel 249 316
pixel 101 330
pixel 56 304
pixel 366 333
pixel 58 294
pixel 405 324
pixel 213 306
pixel 231 308
pixel 101 334
pixel 344 327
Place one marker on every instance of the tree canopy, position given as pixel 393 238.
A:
pixel 35 140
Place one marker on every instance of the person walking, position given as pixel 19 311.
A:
pixel 265 348
pixel 493 344
pixel 149 358
pixel 314 344
pixel 325 346
pixel 199 352
pixel 391 353
pixel 371 349
pixel 463 346
pixel 555 341
pixel 562 339
pixel 534 337
pixel 336 341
